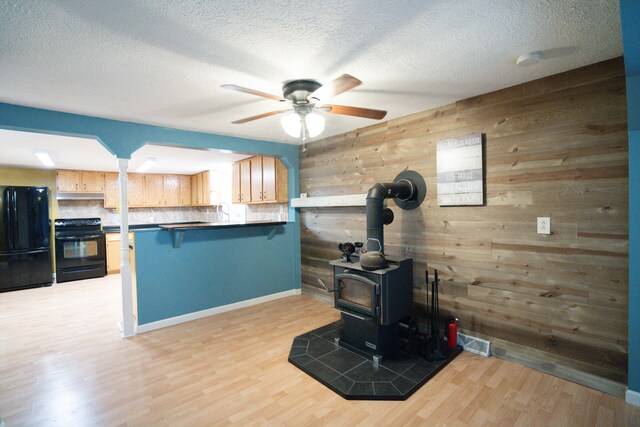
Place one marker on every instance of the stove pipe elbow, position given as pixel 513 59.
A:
pixel 379 216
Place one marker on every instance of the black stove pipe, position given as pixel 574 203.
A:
pixel 378 215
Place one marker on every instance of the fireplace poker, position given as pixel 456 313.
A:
pixel 434 344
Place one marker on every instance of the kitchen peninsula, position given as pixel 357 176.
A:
pixel 216 268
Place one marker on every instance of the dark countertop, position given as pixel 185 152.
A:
pixel 181 226
pixel 133 227
pixel 207 225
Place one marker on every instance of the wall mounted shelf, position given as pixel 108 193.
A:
pixel 330 201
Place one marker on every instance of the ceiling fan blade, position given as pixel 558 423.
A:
pixel 253 92
pixel 342 84
pixel 259 116
pixel 367 113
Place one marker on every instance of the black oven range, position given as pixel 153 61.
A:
pixel 80 249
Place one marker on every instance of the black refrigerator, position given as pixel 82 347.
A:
pixel 25 253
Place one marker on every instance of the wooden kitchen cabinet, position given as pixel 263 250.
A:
pixel 153 190
pixel 200 189
pixel 113 252
pixel 196 189
pixel 206 188
pixel 69 181
pixel 135 190
pixel 113 263
pixel 275 181
pixel 170 190
pixel 184 182
pixel 256 178
pixel 245 181
pixel 111 192
pixel 92 182
pixel 259 179
pixel 235 183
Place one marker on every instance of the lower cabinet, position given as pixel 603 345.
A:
pixel 113 264
pixel 113 253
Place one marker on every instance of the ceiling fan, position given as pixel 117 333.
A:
pixel 305 96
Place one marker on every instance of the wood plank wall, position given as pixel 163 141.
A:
pixel 555 147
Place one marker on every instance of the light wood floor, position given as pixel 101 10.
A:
pixel 63 363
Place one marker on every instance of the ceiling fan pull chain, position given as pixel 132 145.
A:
pixel 304 132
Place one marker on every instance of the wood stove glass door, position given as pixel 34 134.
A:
pixel 357 293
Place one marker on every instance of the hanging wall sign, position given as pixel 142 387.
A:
pixel 460 171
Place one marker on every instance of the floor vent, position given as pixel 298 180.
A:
pixel 474 345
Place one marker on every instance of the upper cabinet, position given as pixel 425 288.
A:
pixel 171 190
pixel 184 181
pixel 135 193
pixel 153 190
pixel 144 190
pixel 245 181
pixel 135 187
pixel 69 181
pixel 259 179
pixel 200 189
pixel 235 183
pixel 92 182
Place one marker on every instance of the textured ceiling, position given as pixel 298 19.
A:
pixel 162 62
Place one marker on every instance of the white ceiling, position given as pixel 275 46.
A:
pixel 162 62
pixel 19 148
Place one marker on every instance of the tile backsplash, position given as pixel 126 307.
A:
pixel 95 209
pixel 267 212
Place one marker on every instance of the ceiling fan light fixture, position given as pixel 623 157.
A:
pixel 315 124
pixel 291 123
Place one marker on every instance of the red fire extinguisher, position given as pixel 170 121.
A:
pixel 452 332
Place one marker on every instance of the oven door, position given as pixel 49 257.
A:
pixel 79 250
pixel 357 294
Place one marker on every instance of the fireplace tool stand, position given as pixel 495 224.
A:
pixel 434 347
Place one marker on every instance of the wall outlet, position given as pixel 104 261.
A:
pixel 544 225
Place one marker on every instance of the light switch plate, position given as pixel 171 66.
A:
pixel 544 225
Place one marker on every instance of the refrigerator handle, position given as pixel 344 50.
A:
pixel 11 210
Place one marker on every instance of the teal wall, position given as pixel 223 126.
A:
pixel 630 17
pixel 210 268
pixel 225 251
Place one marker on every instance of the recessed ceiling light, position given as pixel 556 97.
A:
pixel 146 164
pixel 45 158
pixel 529 58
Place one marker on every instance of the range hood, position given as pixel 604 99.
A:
pixel 79 196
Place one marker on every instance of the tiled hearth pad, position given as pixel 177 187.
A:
pixel 355 377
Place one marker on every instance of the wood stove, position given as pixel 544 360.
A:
pixel 375 293
pixel 372 303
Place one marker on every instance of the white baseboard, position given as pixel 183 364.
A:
pixel 632 397
pixel 215 310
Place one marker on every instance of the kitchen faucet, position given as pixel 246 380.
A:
pixel 220 210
